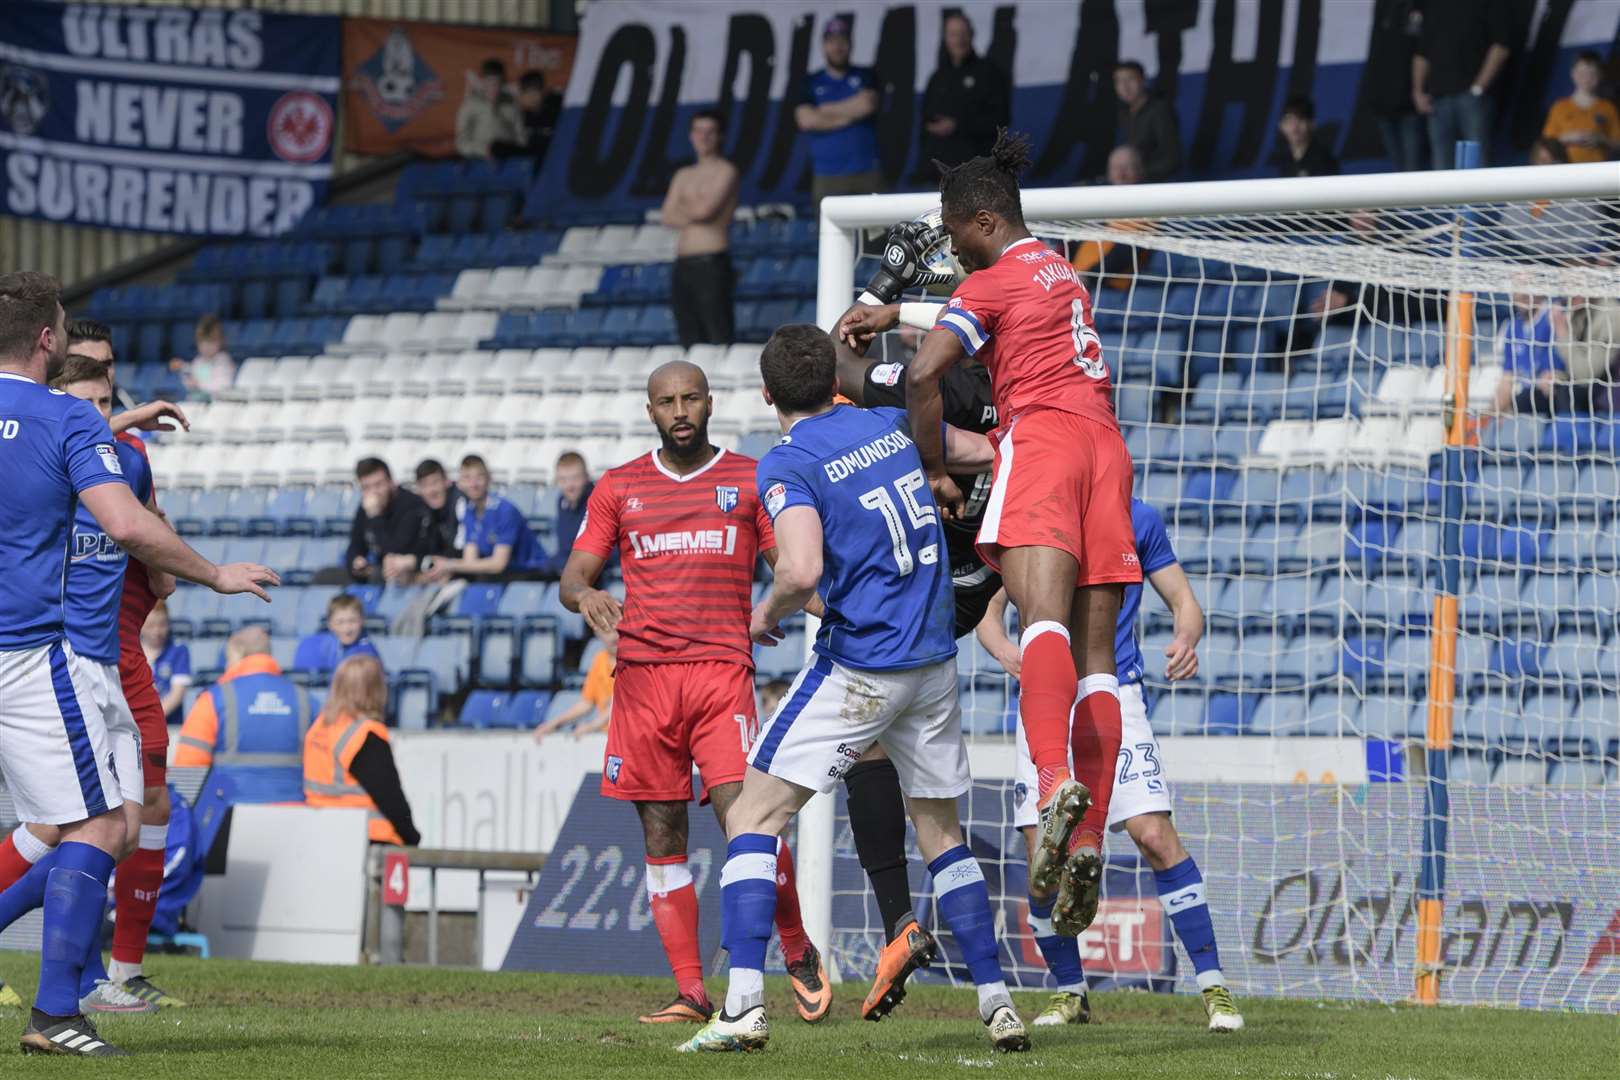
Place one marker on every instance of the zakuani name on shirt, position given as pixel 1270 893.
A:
pixel 1055 273
pixel 884 446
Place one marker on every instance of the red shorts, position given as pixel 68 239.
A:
pixel 669 717
pixel 144 702
pixel 1063 481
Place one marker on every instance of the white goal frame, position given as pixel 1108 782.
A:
pixel 842 216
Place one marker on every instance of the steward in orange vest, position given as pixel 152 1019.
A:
pixel 347 759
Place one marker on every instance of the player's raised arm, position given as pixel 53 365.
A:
pixel 598 536
pixel 940 350
pixel 148 538
pixel 798 572
pixel 992 634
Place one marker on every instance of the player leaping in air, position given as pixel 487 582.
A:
pixel 1141 803
pixel 688 525
pixel 856 525
pixel 1058 522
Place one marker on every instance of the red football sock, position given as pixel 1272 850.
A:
pixel 674 906
pixel 1096 751
pixel 1045 697
pixel 140 877
pixel 788 923
pixel 12 864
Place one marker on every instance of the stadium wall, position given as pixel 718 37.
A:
pixel 75 254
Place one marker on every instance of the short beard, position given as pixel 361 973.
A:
pixel 675 452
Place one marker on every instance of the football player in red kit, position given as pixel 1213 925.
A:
pixel 1058 522
pixel 687 523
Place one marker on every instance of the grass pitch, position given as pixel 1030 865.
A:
pixel 281 1021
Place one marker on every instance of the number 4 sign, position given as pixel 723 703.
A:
pixel 396 879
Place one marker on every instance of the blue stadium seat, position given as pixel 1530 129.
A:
pixel 479 599
pixel 525 710
pixel 482 708
pixel 1278 714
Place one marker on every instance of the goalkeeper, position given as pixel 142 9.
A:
pixel 875 805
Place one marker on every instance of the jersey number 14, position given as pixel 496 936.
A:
pixel 922 517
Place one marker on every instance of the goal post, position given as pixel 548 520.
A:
pixel 1414 655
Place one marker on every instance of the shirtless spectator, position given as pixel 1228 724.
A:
pixel 702 197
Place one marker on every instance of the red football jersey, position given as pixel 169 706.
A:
pixel 687 547
pixel 138 600
pixel 1028 319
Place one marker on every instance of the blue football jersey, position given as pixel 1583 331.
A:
pixel 1153 549
pixel 885 577
pixel 95 584
pixel 52 446
pixel 500 523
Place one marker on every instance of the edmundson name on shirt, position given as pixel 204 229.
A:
pixel 848 464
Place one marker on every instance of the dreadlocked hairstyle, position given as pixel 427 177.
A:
pixel 987 182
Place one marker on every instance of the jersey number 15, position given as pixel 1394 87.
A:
pixel 922 517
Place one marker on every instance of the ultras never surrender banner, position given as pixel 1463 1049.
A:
pixel 211 123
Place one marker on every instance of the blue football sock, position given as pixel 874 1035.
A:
pixel 1181 891
pixel 95 969
pixel 963 900
pixel 1062 954
pixel 75 899
pixel 27 892
pixel 747 911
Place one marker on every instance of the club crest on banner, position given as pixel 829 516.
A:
pixel 396 83
pixel 25 98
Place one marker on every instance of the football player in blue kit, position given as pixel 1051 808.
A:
pixel 855 524
pixel 56 746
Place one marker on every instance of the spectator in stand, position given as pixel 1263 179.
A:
pixel 392 530
pixel 1587 125
pixel 595 705
pixel 771 695
pixel 1147 123
pixel 1463 48
pixel 1106 263
pixel 1589 341
pixel 837 106
pixel 86 337
pixel 347 760
pixel 495 540
pixel 488 116
pixel 701 200
pixel 1531 366
pixel 574 486
pixel 212 370
pixel 249 727
pixel 1302 153
pixel 540 106
pixel 169 660
pixel 1386 83
pixel 344 636
pixel 435 488
pixel 965 103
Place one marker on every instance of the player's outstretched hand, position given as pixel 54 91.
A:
pixel 1181 660
pixel 862 322
pixel 601 610
pixel 947 495
pixel 1007 655
pixel 245 577
pixel 762 632
pixel 153 416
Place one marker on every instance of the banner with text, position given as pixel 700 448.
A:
pixel 404 82
pixel 207 123
pixel 643 69
pixel 1311 888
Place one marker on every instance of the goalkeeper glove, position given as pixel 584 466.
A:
pixel 901 268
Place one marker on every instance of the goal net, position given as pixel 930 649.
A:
pixel 1351 399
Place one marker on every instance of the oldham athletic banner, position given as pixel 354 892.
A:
pixel 1226 66
pixel 403 82
pixel 199 122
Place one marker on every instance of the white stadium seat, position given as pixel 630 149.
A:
pixel 469 291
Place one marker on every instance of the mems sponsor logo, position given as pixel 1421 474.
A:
pixel 684 542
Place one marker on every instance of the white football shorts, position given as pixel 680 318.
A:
pixel 833 714
pixel 1139 786
pixel 56 747
pixel 125 735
